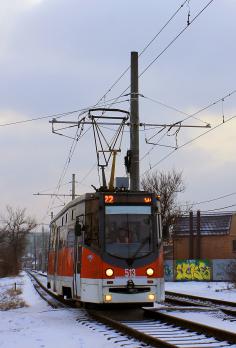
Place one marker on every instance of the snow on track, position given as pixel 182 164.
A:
pixel 40 326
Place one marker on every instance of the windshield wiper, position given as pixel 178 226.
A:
pixel 140 248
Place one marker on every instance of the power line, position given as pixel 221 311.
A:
pixel 144 49
pixel 172 108
pixel 176 37
pixel 112 86
pixel 156 57
pixel 229 206
pixel 210 200
pixel 175 13
pixel 53 188
pixel 166 48
pixel 127 69
pixel 64 170
pixel 59 115
pixel 192 115
pixel 189 142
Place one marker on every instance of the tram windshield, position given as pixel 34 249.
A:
pixel 128 231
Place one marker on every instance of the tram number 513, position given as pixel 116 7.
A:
pixel 130 272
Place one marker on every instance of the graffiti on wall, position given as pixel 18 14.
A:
pixel 192 270
pixel 223 269
pixel 167 270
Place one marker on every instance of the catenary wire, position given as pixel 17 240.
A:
pixel 188 142
pixel 228 95
pixel 160 53
pixel 172 108
pixel 199 13
pixel 144 49
pixel 59 115
pixel 176 37
pixel 210 200
pixel 166 48
pixel 229 206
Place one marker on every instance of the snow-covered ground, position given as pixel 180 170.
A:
pixel 40 326
pixel 217 290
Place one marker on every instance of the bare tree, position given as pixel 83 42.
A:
pixel 13 231
pixel 167 185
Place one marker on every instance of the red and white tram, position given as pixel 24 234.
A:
pixel 107 248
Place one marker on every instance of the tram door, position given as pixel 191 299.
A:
pixel 56 258
pixel 78 253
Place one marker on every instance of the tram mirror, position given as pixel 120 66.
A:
pixel 78 229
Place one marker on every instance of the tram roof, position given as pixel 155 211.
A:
pixel 72 203
pixel 91 195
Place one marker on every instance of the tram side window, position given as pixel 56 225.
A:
pixel 53 238
pixel 91 230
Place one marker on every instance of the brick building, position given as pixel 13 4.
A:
pixel 203 248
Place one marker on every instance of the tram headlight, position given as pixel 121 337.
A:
pixel 109 272
pixel 108 298
pixel 151 297
pixel 150 271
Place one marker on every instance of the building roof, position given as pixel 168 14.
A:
pixel 209 225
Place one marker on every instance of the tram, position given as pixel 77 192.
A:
pixel 106 247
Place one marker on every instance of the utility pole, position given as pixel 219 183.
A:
pixel 191 236
pixel 198 234
pixel 73 186
pixel 134 124
pixel 132 157
pixel 72 195
pixel 35 252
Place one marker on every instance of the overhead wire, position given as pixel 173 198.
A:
pixel 176 37
pixel 210 200
pixel 199 13
pixel 189 142
pixel 229 206
pixel 66 165
pixel 63 114
pixel 172 108
pixel 166 47
pixel 144 49
pixel 204 108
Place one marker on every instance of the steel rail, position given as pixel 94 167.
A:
pixel 192 325
pixel 185 300
pixel 117 325
pixel 194 297
pixel 163 331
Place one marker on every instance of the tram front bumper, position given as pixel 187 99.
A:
pixel 124 295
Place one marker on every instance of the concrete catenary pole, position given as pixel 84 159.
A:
pixel 73 186
pixel 134 124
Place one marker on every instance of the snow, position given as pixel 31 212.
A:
pixel 40 326
pixel 209 319
pixel 216 290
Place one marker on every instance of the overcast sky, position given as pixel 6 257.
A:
pixel 62 55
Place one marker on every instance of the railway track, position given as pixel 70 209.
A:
pixel 151 328
pixel 117 338
pixel 187 300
